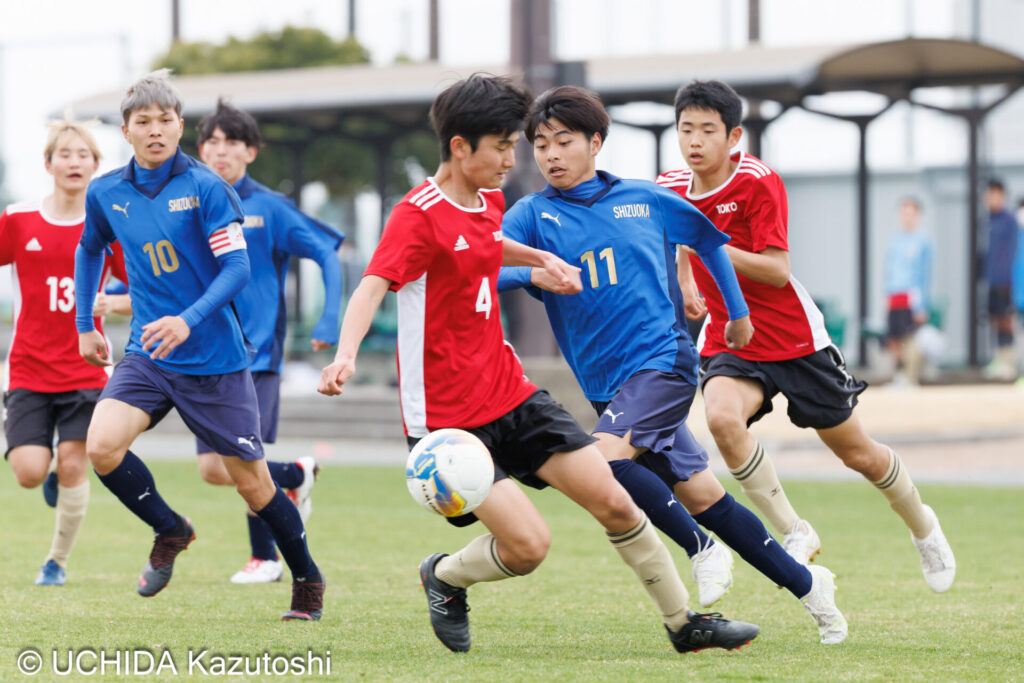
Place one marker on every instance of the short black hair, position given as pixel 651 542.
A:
pixel 577 108
pixel 477 106
pixel 711 96
pixel 235 123
pixel 996 184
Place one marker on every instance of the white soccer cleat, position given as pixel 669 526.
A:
pixel 712 572
pixel 302 495
pixel 802 542
pixel 821 603
pixel 259 571
pixel 937 561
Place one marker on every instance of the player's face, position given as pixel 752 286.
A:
pixel 565 157
pixel 72 164
pixel 487 166
pixel 227 157
pixel 154 134
pixel 703 140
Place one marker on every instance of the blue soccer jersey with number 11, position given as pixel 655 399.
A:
pixel 172 235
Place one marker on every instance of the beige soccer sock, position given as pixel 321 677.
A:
pixel 641 548
pixel 71 504
pixel 759 481
pixel 477 562
pixel 902 495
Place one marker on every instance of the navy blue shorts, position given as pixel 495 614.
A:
pixel 219 409
pixel 268 396
pixel 655 405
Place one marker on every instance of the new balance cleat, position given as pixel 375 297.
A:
pixel 712 572
pixel 157 572
pixel 302 495
pixel 307 599
pixel 937 561
pixel 51 574
pixel 448 607
pixel 259 571
pixel 821 603
pixel 50 489
pixel 802 542
pixel 703 631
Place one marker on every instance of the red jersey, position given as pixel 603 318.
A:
pixel 751 208
pixel 43 354
pixel 455 368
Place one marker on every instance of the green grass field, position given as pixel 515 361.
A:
pixel 581 616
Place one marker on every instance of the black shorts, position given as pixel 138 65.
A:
pixel 32 417
pixel 901 323
pixel 523 439
pixel 820 391
pixel 1000 300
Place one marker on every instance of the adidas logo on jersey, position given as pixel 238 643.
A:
pixel 461 243
pixel 33 245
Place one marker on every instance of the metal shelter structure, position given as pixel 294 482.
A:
pixel 395 99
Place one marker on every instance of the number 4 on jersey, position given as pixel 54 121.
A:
pixel 483 298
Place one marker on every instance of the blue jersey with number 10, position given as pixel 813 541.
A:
pixel 629 316
pixel 172 236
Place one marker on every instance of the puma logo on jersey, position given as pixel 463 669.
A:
pixel 612 415
pixel 545 214
pixel 122 209
pixel 632 211
pixel 33 245
pixel 726 208
pixel 461 243
pixel 247 442
pixel 182 204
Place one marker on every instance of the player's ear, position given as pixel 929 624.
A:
pixel 124 131
pixel 460 147
pixel 735 135
pixel 595 144
pixel 250 154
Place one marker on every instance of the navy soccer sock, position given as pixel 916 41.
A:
pixel 742 531
pixel 282 517
pixel 287 475
pixel 133 485
pixel 656 499
pixel 260 538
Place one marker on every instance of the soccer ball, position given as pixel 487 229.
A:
pixel 450 472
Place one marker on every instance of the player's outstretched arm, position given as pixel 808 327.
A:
pixel 358 316
pixel 693 302
pixel 564 278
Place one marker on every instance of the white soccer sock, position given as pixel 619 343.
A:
pixel 899 490
pixel 758 479
pixel 477 562
pixel 641 548
pixel 71 504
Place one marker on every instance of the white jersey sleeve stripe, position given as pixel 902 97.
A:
pixel 425 197
pixel 753 163
pixel 419 195
pixel 433 200
pixel 227 239
pixel 412 311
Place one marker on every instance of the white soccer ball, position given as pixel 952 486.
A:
pixel 450 471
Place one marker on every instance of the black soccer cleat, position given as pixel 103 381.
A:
pixel 448 607
pixel 157 572
pixel 307 599
pixel 711 630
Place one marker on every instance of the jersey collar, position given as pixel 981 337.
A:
pixel 553 193
pixel 179 165
pixel 245 187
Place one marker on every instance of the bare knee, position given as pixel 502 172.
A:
pixel 870 459
pixel 725 425
pixel 30 468
pixel 212 470
pixel 71 472
pixel 615 510
pixel 525 553
pixel 29 478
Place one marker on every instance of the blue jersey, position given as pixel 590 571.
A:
pixel 275 230
pixel 172 235
pixel 629 316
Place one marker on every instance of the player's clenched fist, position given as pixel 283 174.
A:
pixel 93 348
pixel 559 277
pixel 739 332
pixel 334 376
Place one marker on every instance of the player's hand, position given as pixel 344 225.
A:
pixel 548 282
pixel 693 302
pixel 100 306
pixel 738 332
pixel 685 250
pixel 334 376
pixel 320 345
pixel 93 348
pixel 560 277
pixel 166 334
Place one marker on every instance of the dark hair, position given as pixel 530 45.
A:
pixel 995 184
pixel 477 106
pixel 235 123
pixel 578 108
pixel 711 96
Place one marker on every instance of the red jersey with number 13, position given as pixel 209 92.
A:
pixel 751 208
pixel 44 354
pixel 455 368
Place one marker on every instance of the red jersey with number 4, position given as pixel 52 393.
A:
pixel 43 354
pixel 751 208
pixel 455 368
